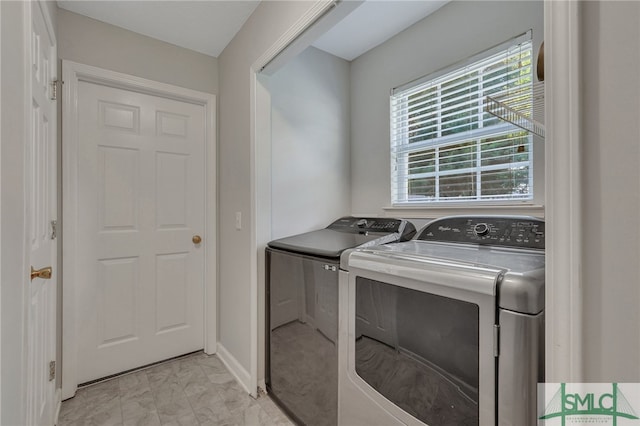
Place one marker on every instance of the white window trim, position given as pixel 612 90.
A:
pixel 530 205
pixel 434 212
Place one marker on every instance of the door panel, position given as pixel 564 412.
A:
pixel 117 170
pixel 117 280
pixel 141 178
pixel 41 210
pixel 171 190
pixel 172 291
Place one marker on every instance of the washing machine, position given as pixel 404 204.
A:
pixel 446 329
pixel 302 313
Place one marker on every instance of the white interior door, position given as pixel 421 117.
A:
pixel 141 202
pixel 41 210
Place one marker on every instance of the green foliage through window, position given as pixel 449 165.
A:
pixel 445 147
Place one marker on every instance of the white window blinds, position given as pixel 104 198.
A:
pixel 445 147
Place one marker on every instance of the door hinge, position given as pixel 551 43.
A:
pixel 54 90
pixel 52 370
pixel 54 230
pixel 496 340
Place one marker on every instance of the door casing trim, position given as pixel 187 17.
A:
pixel 563 293
pixel 72 74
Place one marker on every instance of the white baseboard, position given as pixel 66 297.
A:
pixel 237 370
pixel 58 405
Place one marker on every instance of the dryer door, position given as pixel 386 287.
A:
pixel 421 338
pixel 427 361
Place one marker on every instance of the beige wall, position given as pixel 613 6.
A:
pixel 265 26
pixel 310 144
pixel 611 190
pixel 432 44
pixel 91 42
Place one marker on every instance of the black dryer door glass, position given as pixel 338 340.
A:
pixel 419 350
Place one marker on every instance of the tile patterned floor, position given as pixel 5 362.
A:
pixel 190 391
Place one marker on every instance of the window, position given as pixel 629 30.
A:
pixel 445 147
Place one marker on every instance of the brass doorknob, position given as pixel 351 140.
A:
pixel 196 239
pixel 44 273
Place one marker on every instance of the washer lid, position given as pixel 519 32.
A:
pixel 327 242
pixel 345 233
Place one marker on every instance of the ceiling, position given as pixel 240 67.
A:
pixel 208 26
pixel 373 23
pixel 204 26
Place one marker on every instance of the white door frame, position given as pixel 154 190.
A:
pixel 563 295
pixel 73 73
pixel 0 208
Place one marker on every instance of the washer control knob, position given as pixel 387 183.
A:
pixel 362 223
pixel 481 229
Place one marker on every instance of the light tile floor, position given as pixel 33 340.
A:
pixel 194 390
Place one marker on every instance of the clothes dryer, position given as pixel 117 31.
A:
pixel 446 329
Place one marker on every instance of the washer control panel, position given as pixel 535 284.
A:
pixel 510 231
pixel 363 225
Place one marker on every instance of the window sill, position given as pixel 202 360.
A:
pixel 434 212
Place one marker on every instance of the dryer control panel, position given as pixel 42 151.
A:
pixel 509 231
